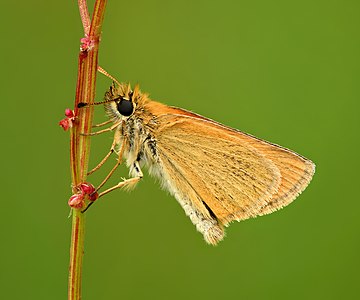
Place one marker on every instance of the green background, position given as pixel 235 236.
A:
pixel 285 71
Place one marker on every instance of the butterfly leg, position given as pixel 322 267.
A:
pixel 102 124
pixel 127 183
pixel 111 128
pixel 119 159
pixel 112 150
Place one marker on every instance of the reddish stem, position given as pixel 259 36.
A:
pixel 80 144
pixel 84 15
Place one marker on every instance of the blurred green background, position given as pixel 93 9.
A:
pixel 285 71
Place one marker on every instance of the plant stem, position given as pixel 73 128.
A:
pixel 76 255
pixel 80 144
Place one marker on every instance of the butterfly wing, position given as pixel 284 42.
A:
pixel 229 175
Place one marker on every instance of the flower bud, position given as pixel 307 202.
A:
pixel 93 196
pixel 76 201
pixel 87 188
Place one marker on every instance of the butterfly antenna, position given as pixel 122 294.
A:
pixel 102 71
pixel 83 104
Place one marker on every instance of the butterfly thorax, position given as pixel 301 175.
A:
pixel 134 133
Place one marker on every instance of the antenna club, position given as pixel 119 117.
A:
pixel 82 104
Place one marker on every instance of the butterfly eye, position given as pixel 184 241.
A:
pixel 125 107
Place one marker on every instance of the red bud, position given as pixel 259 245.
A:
pixel 65 123
pixel 76 201
pixel 87 188
pixel 93 196
pixel 69 113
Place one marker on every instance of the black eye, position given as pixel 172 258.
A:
pixel 125 107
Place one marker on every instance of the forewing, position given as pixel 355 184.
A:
pixel 230 175
pixel 296 173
